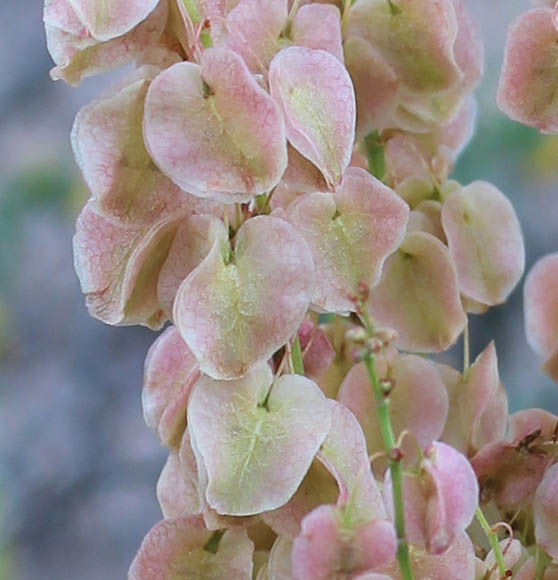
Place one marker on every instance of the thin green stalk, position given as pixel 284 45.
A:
pixel 296 357
pixel 375 155
pixel 237 216
pixel 494 543
pixel 396 469
pixel 292 14
pixel 345 15
pixel 192 11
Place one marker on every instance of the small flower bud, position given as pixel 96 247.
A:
pixel 363 291
pixel 387 386
pixel 386 335
pixel 396 454
pixel 357 335
pixel 374 345
pixel 358 354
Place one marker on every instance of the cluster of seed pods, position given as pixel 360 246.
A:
pixel 272 180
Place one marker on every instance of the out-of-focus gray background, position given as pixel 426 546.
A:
pixel 77 465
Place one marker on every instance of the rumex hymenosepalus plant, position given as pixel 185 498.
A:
pixel 272 179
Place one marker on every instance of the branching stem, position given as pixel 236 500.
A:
pixel 395 466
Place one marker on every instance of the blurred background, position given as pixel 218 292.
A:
pixel 77 465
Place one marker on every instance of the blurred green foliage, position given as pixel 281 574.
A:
pixel 497 142
pixel 39 189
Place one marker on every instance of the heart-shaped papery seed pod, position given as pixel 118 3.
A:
pixel 254 28
pixel 239 306
pixel 213 130
pixel 478 410
pixel 329 548
pixel 316 96
pixel 118 266
pixel 177 486
pixel 527 92
pixel 78 53
pixel 541 311
pixel 418 295
pixel 485 242
pixel 107 140
pixel 415 37
pixel 112 18
pixel 344 455
pixel 171 371
pixel 256 437
pixel 182 547
pixel 351 232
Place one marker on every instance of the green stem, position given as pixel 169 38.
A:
pixel 192 11
pixel 296 357
pixel 396 469
pixel 237 216
pixel 212 544
pixel 346 6
pixel 494 543
pixel 292 14
pixel 375 155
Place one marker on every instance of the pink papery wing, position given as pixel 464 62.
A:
pixel 118 265
pixel 174 550
pixel 112 18
pixel 318 26
pixel 376 86
pixel 213 130
pixel 192 243
pixel 478 405
pixel 417 41
pixel 528 89
pixel 177 491
pixel 256 438
pixel 452 507
pixel 418 295
pixel 485 241
pixel 253 31
pixel 169 375
pixel 326 548
pixel 541 311
pixel 351 232
pixel 77 54
pixel 107 140
pixel 317 99
pixel 344 453
pixel 233 315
